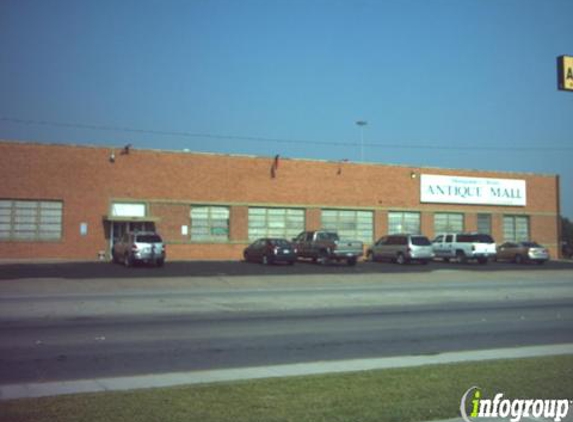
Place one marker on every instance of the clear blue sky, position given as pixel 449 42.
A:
pixel 447 74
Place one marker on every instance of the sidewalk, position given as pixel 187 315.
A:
pixel 15 391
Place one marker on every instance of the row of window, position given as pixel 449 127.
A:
pixel 42 220
pixel 212 223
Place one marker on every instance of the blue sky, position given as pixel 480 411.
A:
pixel 442 83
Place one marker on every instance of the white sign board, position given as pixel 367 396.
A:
pixel 129 209
pixel 472 190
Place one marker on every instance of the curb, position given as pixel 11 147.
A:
pixel 30 390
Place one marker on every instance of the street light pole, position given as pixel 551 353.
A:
pixel 362 123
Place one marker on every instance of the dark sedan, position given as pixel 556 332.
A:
pixel 270 251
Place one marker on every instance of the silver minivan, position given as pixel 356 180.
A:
pixel 401 248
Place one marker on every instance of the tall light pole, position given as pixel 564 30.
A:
pixel 362 123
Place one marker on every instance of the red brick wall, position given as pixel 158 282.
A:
pixel 87 182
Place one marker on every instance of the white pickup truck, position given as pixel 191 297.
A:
pixel 464 246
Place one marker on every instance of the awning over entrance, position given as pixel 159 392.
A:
pixel 128 219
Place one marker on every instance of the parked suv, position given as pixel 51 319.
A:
pixel 134 247
pixel 401 248
pixel 464 246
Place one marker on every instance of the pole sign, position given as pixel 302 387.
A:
pixel 565 73
pixel 472 190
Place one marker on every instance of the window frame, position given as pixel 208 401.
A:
pixel 266 231
pixel 340 218
pixel 44 219
pixel 209 226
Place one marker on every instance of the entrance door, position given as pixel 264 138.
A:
pixel 119 228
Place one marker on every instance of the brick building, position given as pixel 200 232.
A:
pixel 63 201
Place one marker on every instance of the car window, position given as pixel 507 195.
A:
pixel 382 240
pixel 402 240
pixel 531 244
pixel 327 236
pixel 475 238
pixel 484 238
pixel 420 241
pixel 148 238
pixel 279 242
pixel 439 239
pixel 449 238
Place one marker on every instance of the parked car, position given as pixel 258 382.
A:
pixel 520 252
pixel 402 249
pixel 270 251
pixel 566 250
pixel 147 247
pixel 464 246
pixel 324 246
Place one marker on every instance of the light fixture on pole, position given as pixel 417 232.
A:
pixel 362 123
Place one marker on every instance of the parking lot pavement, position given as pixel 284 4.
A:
pixel 94 270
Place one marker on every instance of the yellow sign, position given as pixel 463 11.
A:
pixel 565 73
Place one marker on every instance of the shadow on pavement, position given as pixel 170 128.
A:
pixel 90 270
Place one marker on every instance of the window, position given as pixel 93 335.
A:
pixel 448 222
pixel 30 220
pixel 350 225
pixel 275 222
pixel 484 223
pixel 515 228
pixel 475 238
pixel 404 222
pixel 210 224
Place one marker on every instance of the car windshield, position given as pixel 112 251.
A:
pixel 279 242
pixel 148 238
pixel 420 241
pixel 531 244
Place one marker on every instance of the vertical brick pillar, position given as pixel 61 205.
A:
pixel 239 224
pixel 470 223
pixel 313 219
pixel 427 222
pixel 497 228
pixel 380 224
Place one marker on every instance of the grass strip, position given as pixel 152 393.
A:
pixel 406 394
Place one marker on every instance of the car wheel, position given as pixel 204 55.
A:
pixel 540 262
pixel 518 259
pixel 127 261
pixel 400 259
pixel 446 259
pixel 482 261
pixel 160 263
pixel 424 262
pixel 461 257
pixel 245 256
pixel 351 262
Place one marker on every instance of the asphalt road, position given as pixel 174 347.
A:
pixel 60 350
pixel 65 328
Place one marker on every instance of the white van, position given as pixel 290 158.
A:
pixel 464 246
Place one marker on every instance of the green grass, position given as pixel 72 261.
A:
pixel 411 394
